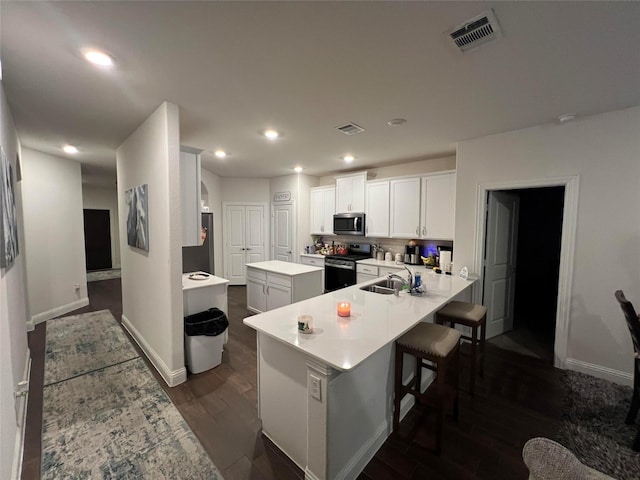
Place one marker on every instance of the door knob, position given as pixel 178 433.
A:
pixel 289 252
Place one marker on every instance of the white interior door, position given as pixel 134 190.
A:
pixel 255 233
pixel 235 244
pixel 500 261
pixel 283 229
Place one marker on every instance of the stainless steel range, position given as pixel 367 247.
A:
pixel 340 270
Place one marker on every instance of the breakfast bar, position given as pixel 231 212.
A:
pixel 326 398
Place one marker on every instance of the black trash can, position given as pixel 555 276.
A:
pixel 204 335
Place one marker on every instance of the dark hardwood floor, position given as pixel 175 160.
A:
pixel 519 398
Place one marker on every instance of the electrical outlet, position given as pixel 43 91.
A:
pixel 76 287
pixel 316 387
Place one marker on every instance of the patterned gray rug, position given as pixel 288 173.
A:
pixel 593 425
pixel 98 275
pixel 115 421
pixel 79 344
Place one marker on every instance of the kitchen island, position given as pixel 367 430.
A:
pixel 326 398
pixel 273 284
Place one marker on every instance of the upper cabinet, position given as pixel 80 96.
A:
pixel 404 197
pixel 350 193
pixel 423 207
pixel 377 208
pixel 323 202
pixel 190 198
pixel 437 220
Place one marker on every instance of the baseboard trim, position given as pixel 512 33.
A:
pixel 599 371
pixel 56 312
pixel 364 455
pixel 21 417
pixel 171 377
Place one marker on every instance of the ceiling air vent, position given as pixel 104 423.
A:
pixel 350 129
pixel 476 31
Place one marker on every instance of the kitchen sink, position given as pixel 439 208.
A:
pixel 383 287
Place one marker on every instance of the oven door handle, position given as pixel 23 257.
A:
pixel 344 267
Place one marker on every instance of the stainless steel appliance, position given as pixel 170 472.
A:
pixel 200 259
pixel 349 224
pixel 412 255
pixel 340 270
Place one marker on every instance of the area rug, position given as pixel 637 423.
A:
pixel 79 344
pixel 593 425
pixel 98 275
pixel 112 421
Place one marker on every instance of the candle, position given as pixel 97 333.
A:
pixel 344 309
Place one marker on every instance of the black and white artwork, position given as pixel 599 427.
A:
pixel 138 219
pixel 9 226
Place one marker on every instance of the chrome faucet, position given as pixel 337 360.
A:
pixel 408 282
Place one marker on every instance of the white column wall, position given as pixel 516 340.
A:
pixel 54 235
pixel 604 151
pixel 152 281
pixel 104 198
pixel 14 353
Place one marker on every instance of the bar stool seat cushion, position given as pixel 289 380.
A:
pixel 430 338
pixel 466 311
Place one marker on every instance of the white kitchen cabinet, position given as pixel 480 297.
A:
pixel 404 206
pixel 350 196
pixel 277 296
pixel 323 202
pixel 363 277
pixel 377 209
pixel 274 284
pixel 256 293
pixel 386 271
pixel 437 219
pixel 314 260
pixel 190 198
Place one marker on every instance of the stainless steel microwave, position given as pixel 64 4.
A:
pixel 349 224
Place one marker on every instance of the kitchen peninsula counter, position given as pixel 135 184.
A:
pixel 338 380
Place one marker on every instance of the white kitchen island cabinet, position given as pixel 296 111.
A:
pixel 338 380
pixel 273 284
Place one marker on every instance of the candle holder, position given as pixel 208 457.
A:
pixel 344 309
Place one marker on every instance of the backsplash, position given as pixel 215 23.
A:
pixel 394 245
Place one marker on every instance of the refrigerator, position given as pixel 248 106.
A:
pixel 200 258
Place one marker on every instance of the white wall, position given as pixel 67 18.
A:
pixel 152 281
pixel 213 183
pixel 104 198
pixel 417 167
pixel 604 151
pixel 54 235
pixel 14 352
pixel 246 190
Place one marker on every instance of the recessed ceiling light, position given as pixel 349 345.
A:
pixel 348 158
pixel 271 134
pixel 297 169
pixel 70 149
pixel 396 122
pixel 220 153
pixel 98 57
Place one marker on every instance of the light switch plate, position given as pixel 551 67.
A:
pixel 315 387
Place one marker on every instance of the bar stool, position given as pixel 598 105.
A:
pixel 437 345
pixel 470 315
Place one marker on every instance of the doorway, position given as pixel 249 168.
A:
pixel 532 245
pixel 244 239
pixel 97 239
pixel 283 228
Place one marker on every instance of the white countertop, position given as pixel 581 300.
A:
pixel 375 320
pixel 284 268
pixel 312 255
pixel 211 281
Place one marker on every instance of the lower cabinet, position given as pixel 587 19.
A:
pixel 267 290
pixel 371 272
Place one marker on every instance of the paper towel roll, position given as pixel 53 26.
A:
pixel 445 259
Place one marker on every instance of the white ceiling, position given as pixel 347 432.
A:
pixel 236 68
